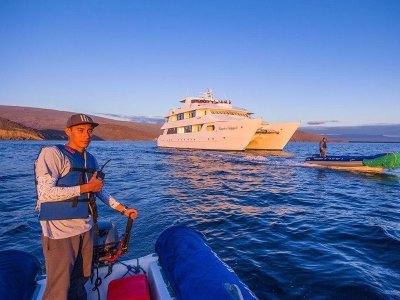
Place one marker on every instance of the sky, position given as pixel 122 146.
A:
pixel 331 63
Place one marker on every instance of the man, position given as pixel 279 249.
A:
pixel 322 147
pixel 66 181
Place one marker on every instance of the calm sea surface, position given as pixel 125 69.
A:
pixel 288 231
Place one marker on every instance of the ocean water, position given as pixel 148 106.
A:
pixel 288 231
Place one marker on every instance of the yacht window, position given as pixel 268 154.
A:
pixel 196 128
pixel 193 113
pixel 188 129
pixel 180 130
pixel 180 116
pixel 210 127
pixel 171 131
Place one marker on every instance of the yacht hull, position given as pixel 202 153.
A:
pixel 272 136
pixel 228 136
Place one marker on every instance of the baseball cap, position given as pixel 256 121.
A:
pixel 80 119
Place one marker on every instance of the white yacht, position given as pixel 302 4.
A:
pixel 208 123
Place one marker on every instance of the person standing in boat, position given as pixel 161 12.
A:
pixel 322 147
pixel 66 181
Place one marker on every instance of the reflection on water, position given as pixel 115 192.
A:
pixel 350 175
pixel 210 184
pixel 269 153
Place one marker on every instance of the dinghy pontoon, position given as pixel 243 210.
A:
pixel 375 163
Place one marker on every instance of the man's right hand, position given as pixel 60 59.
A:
pixel 131 213
pixel 93 186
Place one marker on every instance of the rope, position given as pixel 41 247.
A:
pixel 131 270
pixel 134 269
pixel 114 258
pixel 97 283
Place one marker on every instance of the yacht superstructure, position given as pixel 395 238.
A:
pixel 208 123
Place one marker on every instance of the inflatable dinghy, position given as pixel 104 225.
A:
pixel 184 268
pixel 376 163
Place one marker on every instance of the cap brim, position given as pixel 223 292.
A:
pixel 94 124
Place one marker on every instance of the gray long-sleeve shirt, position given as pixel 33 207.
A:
pixel 50 165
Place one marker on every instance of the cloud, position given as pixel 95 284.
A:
pixel 140 119
pixel 321 122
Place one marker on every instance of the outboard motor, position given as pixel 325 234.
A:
pixel 107 248
pixel 105 245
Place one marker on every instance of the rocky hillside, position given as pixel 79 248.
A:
pixel 10 130
pixel 301 136
pixel 50 123
pixel 39 123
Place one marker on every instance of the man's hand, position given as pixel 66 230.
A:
pixel 93 186
pixel 131 213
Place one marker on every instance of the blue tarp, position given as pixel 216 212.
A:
pixel 18 272
pixel 194 271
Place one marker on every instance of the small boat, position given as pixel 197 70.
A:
pixel 184 267
pixel 376 163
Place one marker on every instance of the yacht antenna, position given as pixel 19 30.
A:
pixel 208 94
